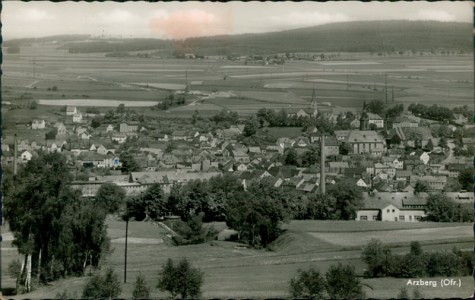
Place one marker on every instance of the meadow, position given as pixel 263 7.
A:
pixel 235 271
pixel 446 80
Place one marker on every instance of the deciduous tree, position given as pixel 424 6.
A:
pixel 308 284
pixel 181 279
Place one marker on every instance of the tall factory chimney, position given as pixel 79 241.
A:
pixel 15 147
pixel 322 165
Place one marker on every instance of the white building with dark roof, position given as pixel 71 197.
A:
pixel 366 141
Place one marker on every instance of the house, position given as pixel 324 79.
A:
pixel 301 112
pixel 78 148
pixel 361 183
pixel 403 175
pixel 405 122
pixel 341 135
pixel 240 156
pixel 61 129
pixel 365 141
pixel 468 142
pixel 331 146
pixel 101 150
pixel 109 128
pixel 5 147
pixel 38 124
pixel 119 138
pixel 460 119
pixel 71 110
pixel 53 147
pixel 392 161
pixel 436 183
pixel 337 167
pixel 301 142
pixel 77 118
pixel 23 145
pixel 254 150
pixel 355 123
pixel 26 156
pixel 179 135
pixel 376 120
pixel 389 206
pixel 424 157
pixel 128 127
pixel 455 169
pixel 85 136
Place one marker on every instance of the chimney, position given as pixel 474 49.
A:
pixel 322 165
pixel 14 155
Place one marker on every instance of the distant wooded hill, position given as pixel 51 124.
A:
pixel 368 36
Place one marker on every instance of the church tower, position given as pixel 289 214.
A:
pixel 313 104
pixel 364 119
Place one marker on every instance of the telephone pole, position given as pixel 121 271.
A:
pixel 322 164
pixel 386 86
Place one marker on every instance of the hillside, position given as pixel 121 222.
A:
pixel 367 36
pixel 375 36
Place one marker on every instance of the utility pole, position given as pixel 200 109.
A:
pixel 125 258
pixel 322 164
pixel 15 155
pixel 386 86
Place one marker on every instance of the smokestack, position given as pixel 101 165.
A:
pixel 14 155
pixel 322 165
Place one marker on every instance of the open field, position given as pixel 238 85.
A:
pixel 446 80
pixel 237 271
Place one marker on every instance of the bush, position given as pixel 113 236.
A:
pixel 375 255
pixel 141 290
pixel 341 282
pixel 192 231
pixel 99 286
pixel 403 294
pixel 444 264
pixel 307 284
pixel 181 279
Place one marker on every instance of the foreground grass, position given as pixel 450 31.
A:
pixel 235 271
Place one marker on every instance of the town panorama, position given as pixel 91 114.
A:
pixel 327 159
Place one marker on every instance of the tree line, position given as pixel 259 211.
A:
pixel 415 264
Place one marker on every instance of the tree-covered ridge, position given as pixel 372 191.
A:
pixel 359 36
pixel 368 36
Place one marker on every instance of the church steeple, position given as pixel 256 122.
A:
pixel 364 119
pixel 313 104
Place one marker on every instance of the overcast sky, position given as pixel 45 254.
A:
pixel 182 20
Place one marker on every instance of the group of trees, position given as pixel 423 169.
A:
pixel 381 262
pixel 441 209
pixel 170 101
pixel 434 112
pixel 306 159
pixel 282 119
pixel 380 108
pixel 225 118
pixel 179 279
pixel 255 212
pixel 339 282
pixel 58 232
